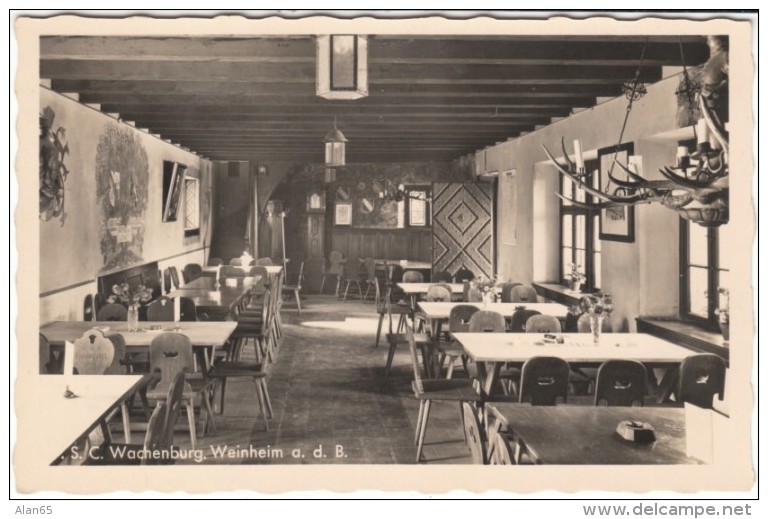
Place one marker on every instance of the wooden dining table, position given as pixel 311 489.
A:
pixel 206 336
pixel 490 351
pixel 586 435
pixel 213 299
pixel 65 422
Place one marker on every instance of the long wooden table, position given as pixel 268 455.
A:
pixel 570 434
pixel 68 421
pixel 491 350
pixel 214 300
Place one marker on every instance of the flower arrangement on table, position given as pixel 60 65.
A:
pixel 723 311
pixel 123 293
pixel 597 307
pixel 131 297
pixel 486 286
pixel 576 277
pixel 723 306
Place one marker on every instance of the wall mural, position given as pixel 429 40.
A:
pixel 53 171
pixel 122 173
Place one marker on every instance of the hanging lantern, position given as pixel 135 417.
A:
pixel 342 66
pixel 335 143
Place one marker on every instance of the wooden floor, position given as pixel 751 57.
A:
pixel 327 391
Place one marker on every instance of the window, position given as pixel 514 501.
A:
pixel 191 207
pixel 418 207
pixel 580 231
pixel 704 268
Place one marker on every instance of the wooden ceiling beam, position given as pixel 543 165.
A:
pixel 536 51
pixel 221 89
pixel 305 72
pixel 617 50
pixel 132 48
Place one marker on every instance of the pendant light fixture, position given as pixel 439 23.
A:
pixel 335 143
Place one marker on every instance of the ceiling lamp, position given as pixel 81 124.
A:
pixel 696 187
pixel 342 66
pixel 335 143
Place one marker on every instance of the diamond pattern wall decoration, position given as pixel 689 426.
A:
pixel 462 227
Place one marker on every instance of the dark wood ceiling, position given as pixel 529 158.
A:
pixel 430 98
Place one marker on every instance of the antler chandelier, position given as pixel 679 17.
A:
pixel 697 186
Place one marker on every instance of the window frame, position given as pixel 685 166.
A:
pixel 590 215
pixel 409 201
pixel 713 276
pixel 192 231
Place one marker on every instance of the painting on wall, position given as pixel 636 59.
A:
pixel 616 223
pixel 173 179
pixel 53 171
pixel 122 174
pixel 343 214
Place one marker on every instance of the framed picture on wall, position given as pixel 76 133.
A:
pixel 343 214
pixel 173 180
pixel 616 223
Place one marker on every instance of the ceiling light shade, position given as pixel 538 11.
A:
pixel 342 66
pixel 335 144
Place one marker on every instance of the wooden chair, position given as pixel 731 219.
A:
pixel 487 321
pixel 544 381
pixel 524 294
pixel 48 364
pixel 702 376
pixel 112 312
pixel 264 262
pixel 229 271
pixel 335 267
pixel 167 283
pixel 160 309
pixel 442 390
pixel 413 276
pixel 187 309
pixel 296 288
pixel 458 322
pixel 474 295
pixel 236 262
pixel 349 278
pixel 89 308
pixel 384 307
pixel 464 274
pixel 174 277
pixel 111 453
pixel 159 436
pixel 506 291
pixel 215 262
pixel 191 272
pixel 370 280
pixel 171 354
pixel 435 294
pixel 442 276
pixel 97 354
pixel 234 367
pixel 519 319
pixel 621 383
pixel 395 339
pixel 542 324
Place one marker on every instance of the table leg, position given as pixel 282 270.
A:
pixel 489 374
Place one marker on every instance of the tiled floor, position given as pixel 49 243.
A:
pixel 327 393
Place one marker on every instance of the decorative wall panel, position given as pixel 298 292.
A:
pixel 462 225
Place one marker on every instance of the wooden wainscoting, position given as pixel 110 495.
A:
pixel 396 244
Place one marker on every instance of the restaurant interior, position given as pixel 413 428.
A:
pixel 386 248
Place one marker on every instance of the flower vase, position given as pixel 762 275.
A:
pixel 575 285
pixel 133 318
pixel 487 299
pixel 725 330
pixel 596 327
